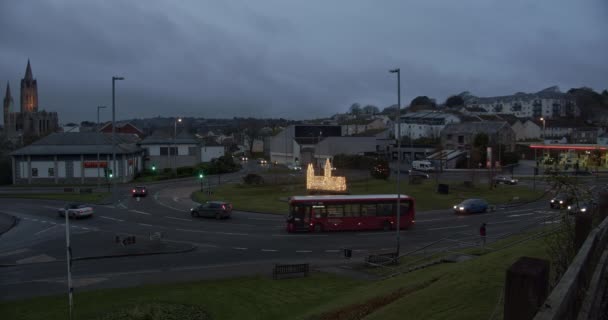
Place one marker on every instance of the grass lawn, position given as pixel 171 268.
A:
pixel 273 198
pixel 466 290
pixel 71 197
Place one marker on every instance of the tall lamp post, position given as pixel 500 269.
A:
pixel 97 142
pixel 543 135
pixel 174 143
pixel 114 134
pixel 398 72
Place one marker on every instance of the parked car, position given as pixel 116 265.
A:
pixel 212 209
pixel 471 206
pixel 415 173
pixel 423 165
pixel 504 180
pixel 582 207
pixel 262 161
pixel 75 210
pixel 561 200
pixel 139 191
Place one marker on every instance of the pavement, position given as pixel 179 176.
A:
pixel 247 244
pixel 7 222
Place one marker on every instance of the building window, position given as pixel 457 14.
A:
pixel 191 151
pixel 449 137
pixel 460 139
pixel 164 151
pixel 51 172
pixel 34 172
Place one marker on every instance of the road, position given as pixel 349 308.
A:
pixel 248 243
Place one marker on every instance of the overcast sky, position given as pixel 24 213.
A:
pixel 293 59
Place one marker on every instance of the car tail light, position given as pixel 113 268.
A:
pixel 143 191
pixel 224 207
pixel 134 190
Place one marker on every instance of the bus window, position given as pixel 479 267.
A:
pixel 300 213
pixel 352 210
pixel 385 209
pixel 368 210
pixel 405 207
pixel 335 211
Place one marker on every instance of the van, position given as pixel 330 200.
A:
pixel 422 165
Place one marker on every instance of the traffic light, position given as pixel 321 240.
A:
pixel 110 173
pixel 153 167
pixel 201 175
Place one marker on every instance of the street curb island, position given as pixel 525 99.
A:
pixel 110 256
pixel 5 227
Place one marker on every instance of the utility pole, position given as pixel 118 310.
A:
pixel 398 119
pixel 68 259
pixel 114 135
pixel 97 134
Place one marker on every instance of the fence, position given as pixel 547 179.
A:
pixel 566 299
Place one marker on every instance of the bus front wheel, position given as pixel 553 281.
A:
pixel 318 228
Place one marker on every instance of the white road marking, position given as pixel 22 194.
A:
pixel 427 220
pixel 454 227
pixel 110 218
pixel 10 253
pixel 263 219
pixel 520 215
pixel 175 218
pixel 303 251
pixel 141 212
pixel 332 250
pixel 45 230
pixel 551 222
pixel 35 259
pixel 239 248
pixel 145 224
pixel 176 199
pixel 269 250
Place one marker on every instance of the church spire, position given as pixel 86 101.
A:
pixel 28 71
pixel 8 96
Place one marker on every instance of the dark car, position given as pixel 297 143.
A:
pixel 414 173
pixel 139 191
pixel 471 206
pixel 504 180
pixel 562 200
pixel 582 207
pixel 212 209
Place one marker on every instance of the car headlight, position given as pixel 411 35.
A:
pixel 561 201
pixel 455 207
pixel 513 181
pixel 569 207
pixel 552 200
pixel 461 208
pixel 583 209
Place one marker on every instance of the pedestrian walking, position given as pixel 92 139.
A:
pixel 482 234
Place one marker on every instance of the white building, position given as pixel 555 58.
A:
pixel 77 158
pixel 164 151
pixel 547 103
pixel 210 151
pixel 426 124
pixel 296 143
pixel 526 130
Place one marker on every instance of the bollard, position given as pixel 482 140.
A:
pixel 526 288
pixel 348 253
pixel 582 226
pixel 133 241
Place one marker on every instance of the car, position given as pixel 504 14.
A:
pixel 139 191
pixel 75 210
pixel 582 207
pixel 262 161
pixel 471 206
pixel 415 173
pixel 561 200
pixel 244 158
pixel 294 167
pixel 212 209
pixel 504 180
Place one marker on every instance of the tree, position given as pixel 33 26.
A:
pixel 251 128
pixel 355 109
pixel 454 101
pixel 423 101
pixel 390 110
pixel 370 109
pixel 480 142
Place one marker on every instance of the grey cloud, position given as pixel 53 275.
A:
pixel 293 59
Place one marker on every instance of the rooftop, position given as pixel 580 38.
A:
pixel 488 127
pixel 81 143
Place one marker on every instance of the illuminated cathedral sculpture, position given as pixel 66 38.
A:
pixel 325 182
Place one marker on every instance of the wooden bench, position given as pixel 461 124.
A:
pixel 383 258
pixel 282 269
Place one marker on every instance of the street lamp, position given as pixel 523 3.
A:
pixel 543 120
pixel 114 132
pixel 398 72
pixel 97 142
pixel 68 253
pixel 174 143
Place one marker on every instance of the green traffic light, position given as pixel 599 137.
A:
pixel 111 175
pixel 153 168
pixel 200 175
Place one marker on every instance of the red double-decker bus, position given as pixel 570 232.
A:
pixel 349 212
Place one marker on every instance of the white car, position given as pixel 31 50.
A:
pixel 76 210
pixel 294 167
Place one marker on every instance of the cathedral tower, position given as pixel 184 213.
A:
pixel 8 105
pixel 29 91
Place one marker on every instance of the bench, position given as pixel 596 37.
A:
pixel 282 269
pixel 383 258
